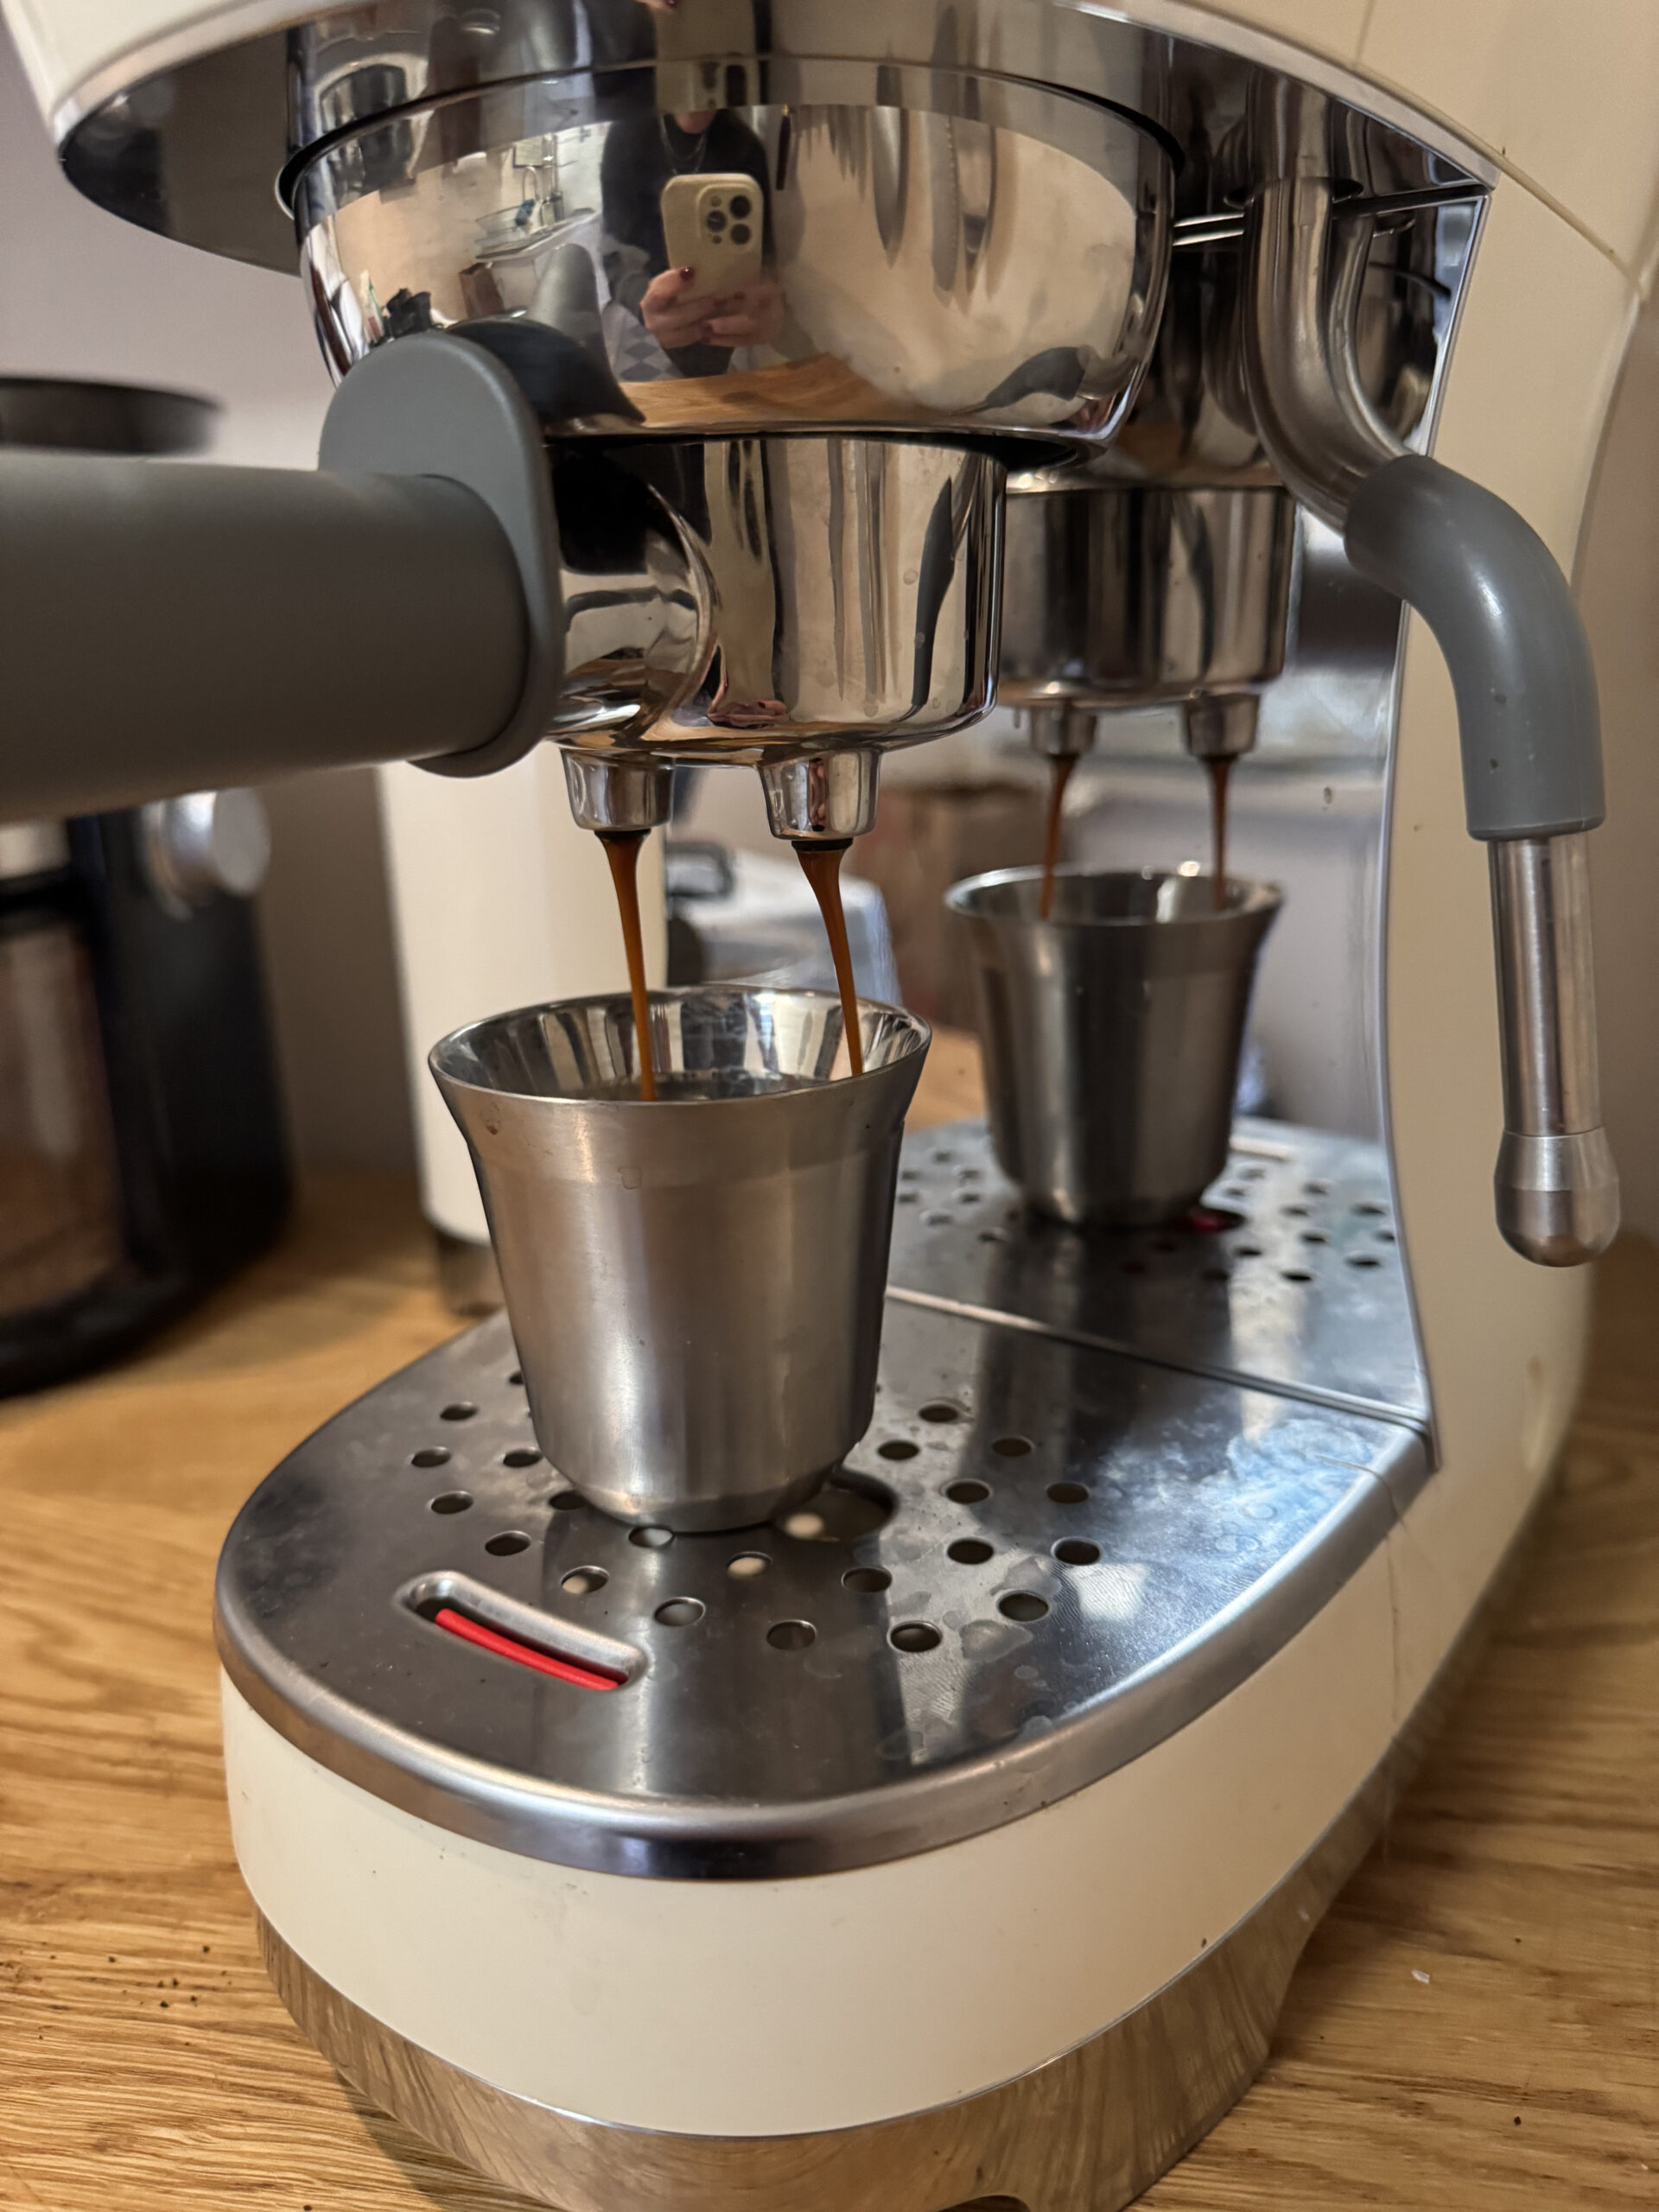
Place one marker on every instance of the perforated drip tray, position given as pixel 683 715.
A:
pixel 1290 1275
pixel 1027 1574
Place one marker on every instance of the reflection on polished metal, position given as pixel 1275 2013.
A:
pixel 825 797
pixel 941 249
pixel 141 137
pixel 637 600
pixel 695 1284
pixel 609 793
pixel 852 589
pixel 1291 1280
pixel 1556 1184
pixel 1111 1032
pixel 1306 272
pixel 1174 1583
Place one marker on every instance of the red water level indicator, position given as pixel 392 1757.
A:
pixel 585 1676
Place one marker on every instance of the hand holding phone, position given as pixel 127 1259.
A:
pixel 714 226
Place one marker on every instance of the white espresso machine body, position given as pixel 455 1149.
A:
pixel 912 1951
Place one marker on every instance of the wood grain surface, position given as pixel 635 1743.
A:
pixel 819 389
pixel 1475 2025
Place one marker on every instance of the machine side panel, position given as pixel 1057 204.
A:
pixel 1514 85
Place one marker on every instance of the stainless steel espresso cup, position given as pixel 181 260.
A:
pixel 695 1284
pixel 1111 1032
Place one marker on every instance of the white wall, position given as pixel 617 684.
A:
pixel 83 294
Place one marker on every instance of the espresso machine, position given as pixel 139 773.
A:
pixel 953 1835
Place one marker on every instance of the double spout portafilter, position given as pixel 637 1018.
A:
pixel 1124 595
pixel 849 594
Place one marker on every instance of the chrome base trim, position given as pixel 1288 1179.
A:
pixel 1087 2132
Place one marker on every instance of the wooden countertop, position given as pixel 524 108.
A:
pixel 1475 2025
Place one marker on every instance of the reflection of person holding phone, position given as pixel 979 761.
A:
pixel 697 325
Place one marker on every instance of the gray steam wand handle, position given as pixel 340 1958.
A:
pixel 1529 725
pixel 171 626
pixel 1487 587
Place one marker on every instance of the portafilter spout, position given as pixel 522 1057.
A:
pixel 1492 592
pixel 1060 730
pixel 1220 726
pixel 823 798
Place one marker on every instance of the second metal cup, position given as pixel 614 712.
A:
pixel 1111 1032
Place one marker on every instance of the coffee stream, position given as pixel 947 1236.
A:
pixel 1059 775
pixel 820 865
pixel 622 851
pixel 1220 770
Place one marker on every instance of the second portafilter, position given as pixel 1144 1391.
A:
pixel 1117 596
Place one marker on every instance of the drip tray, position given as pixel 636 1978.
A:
pixel 1045 1556
pixel 1290 1275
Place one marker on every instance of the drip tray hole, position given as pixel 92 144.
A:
pixel 680 1612
pixel 914 1635
pixel 1022 1605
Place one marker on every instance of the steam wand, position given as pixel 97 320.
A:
pixel 1499 607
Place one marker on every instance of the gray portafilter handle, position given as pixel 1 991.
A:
pixel 175 626
pixel 1491 591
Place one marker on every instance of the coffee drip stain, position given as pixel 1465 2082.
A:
pixel 622 851
pixel 820 865
pixel 1059 775
pixel 1220 771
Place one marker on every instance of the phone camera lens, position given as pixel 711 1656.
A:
pixel 740 205
pixel 716 223
pixel 740 234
